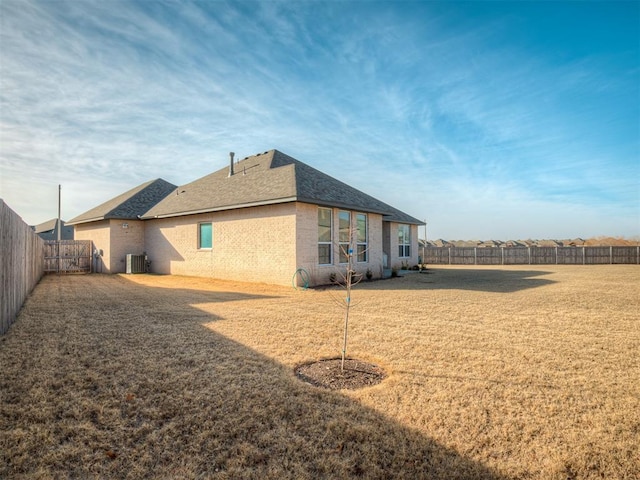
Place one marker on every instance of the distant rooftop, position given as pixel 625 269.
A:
pixel 47 230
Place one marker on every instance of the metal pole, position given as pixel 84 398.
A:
pixel 424 246
pixel 59 224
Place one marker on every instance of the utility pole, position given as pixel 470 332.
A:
pixel 59 209
pixel 424 244
pixel 59 224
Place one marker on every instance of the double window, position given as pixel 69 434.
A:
pixel 205 235
pixel 404 241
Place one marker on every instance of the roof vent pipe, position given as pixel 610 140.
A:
pixel 231 154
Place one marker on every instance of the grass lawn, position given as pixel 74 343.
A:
pixel 520 372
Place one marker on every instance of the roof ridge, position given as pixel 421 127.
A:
pixel 140 188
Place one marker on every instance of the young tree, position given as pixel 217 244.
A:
pixel 348 279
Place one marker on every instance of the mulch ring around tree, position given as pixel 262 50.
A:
pixel 328 374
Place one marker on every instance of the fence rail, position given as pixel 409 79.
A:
pixel 21 264
pixel 531 255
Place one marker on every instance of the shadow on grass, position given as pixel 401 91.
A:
pixel 483 280
pixel 107 378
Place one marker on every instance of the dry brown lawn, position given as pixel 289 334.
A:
pixel 495 373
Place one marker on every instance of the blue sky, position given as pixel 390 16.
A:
pixel 487 119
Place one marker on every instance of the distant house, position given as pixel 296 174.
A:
pixel 49 230
pixel 464 243
pixel 441 243
pixel 576 242
pixel 490 244
pixel 548 243
pixel 514 243
pixel 261 219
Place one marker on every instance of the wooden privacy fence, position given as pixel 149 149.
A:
pixel 67 256
pixel 21 264
pixel 531 255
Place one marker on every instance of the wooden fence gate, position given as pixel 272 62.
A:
pixel 67 256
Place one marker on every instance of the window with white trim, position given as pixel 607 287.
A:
pixel 325 235
pixel 344 235
pixel 362 237
pixel 404 241
pixel 205 235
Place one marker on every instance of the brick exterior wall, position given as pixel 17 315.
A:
pixel 127 236
pixel 258 244
pixel 255 244
pixel 394 259
pixel 100 234
pixel 307 248
pixel 114 241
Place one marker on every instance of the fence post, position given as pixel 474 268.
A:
pixel 475 255
pixel 611 254
pixel 449 255
pixel 584 260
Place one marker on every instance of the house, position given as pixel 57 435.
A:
pixel 441 243
pixel 260 219
pixel 489 244
pixel 49 230
pixel 514 244
pixel 548 243
pixel 115 228
pixel 576 242
pixel 465 243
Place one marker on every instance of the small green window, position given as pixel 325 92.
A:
pixel 205 235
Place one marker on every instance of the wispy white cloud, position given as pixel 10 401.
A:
pixel 403 103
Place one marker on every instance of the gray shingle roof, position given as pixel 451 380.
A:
pixel 48 230
pixel 129 205
pixel 269 178
pixel 46 226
